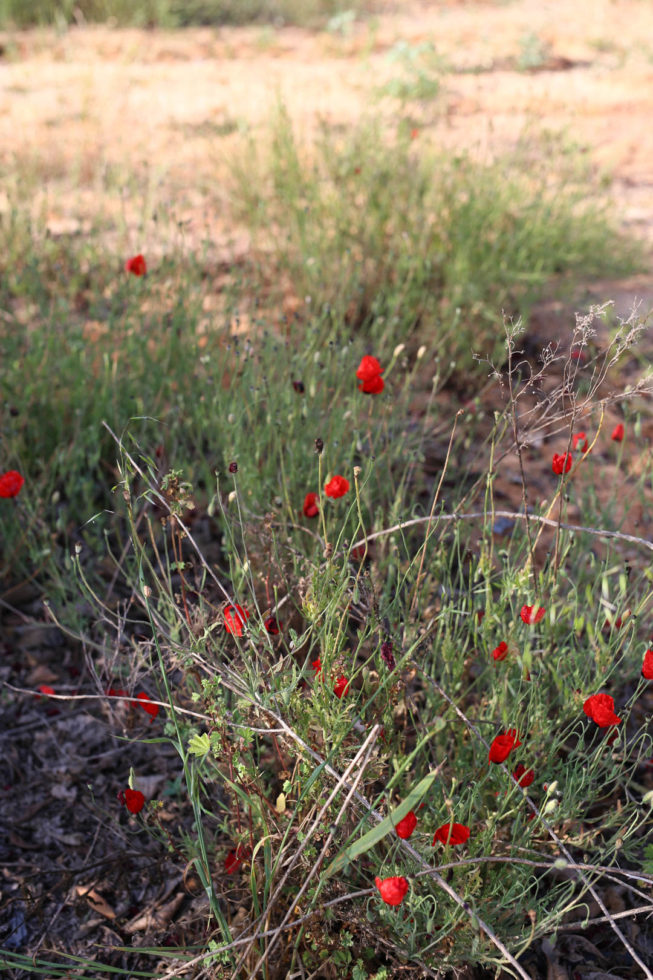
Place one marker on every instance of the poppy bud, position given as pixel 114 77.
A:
pixel 319 446
pixel 233 467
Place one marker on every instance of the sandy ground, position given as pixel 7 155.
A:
pixel 88 115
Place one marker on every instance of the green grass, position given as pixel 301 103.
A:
pixel 403 241
pixel 124 403
pixel 176 13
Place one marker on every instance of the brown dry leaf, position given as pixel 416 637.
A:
pixel 155 918
pixel 95 900
pixel 42 675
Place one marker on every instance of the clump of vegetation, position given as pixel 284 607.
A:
pixel 397 726
pixel 177 13
pixel 401 241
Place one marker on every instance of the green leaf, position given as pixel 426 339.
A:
pixel 382 829
pixel 199 744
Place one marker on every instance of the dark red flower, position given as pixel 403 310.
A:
pixel 11 483
pixel 234 619
pixel 45 689
pixel 317 669
pixel 523 775
pixel 561 464
pixel 618 433
pixel 311 508
pixel 647 666
pixel 299 387
pixel 392 890
pixel 336 487
pixel 480 615
pixel 233 467
pixel 454 834
pixel 406 826
pixel 500 652
pixel 144 699
pixel 503 745
pixel 372 386
pixel 136 265
pixel 387 655
pixel 134 800
pixel 273 626
pixel 117 692
pixel 577 354
pixel 235 858
pixel 532 614
pixel 579 441
pixel 369 368
pixel 600 708
pixel 341 686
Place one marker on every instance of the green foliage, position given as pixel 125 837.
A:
pixel 176 13
pixel 401 241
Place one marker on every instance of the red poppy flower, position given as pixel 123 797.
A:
pixel 523 775
pixel 152 709
pixel 45 689
pixel 10 484
pixel 368 369
pixel 374 386
pixel 414 133
pixel 503 745
pixel 600 708
pixel 500 652
pixel 273 626
pixel 311 508
pixel 317 668
pixel 234 619
pixel 392 890
pixel 561 464
pixel 136 265
pixel 336 487
pixel 134 800
pixel 117 692
pixel 299 387
pixel 577 354
pixel 647 666
pixel 235 858
pixel 454 834
pixel 406 826
pixel 532 614
pixel 341 686
pixel 579 441
pixel 618 433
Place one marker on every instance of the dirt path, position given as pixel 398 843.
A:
pixel 83 113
